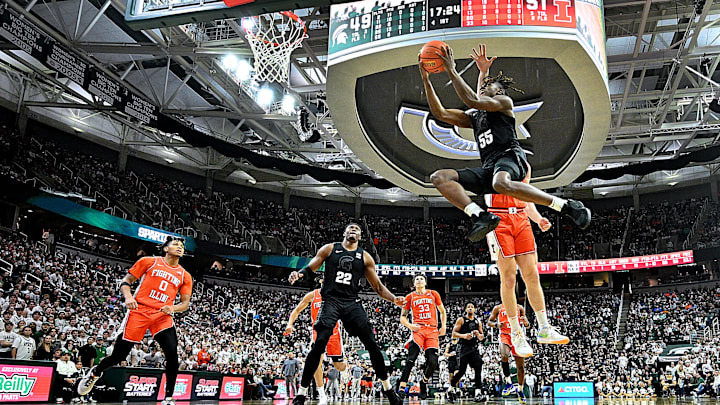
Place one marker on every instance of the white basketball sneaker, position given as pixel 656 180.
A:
pixel 521 345
pixel 550 335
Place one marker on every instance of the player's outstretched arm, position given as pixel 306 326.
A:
pixel 483 64
pixel 307 299
pixel 376 284
pixel 314 264
pixel 447 115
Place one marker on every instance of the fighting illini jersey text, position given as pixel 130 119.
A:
pixel 424 307
pixel 159 282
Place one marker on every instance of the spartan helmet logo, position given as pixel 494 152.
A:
pixel 346 263
pixel 339 35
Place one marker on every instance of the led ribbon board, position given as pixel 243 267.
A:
pixel 554 49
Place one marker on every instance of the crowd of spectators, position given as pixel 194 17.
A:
pixel 145 198
pixel 66 308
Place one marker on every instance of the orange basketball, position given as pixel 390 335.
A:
pixel 429 57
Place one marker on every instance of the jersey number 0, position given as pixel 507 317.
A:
pixel 343 278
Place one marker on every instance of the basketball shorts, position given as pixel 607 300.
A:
pixel 348 310
pixel 138 321
pixel 512 237
pixel 452 364
pixel 427 338
pixel 334 348
pixel 479 179
pixel 506 340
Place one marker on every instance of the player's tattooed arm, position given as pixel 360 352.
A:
pixel 376 284
pixel 307 299
pixel 406 322
pixel 315 262
pixel 130 302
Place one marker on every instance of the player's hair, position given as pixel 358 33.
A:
pixel 506 82
pixel 353 223
pixel 170 239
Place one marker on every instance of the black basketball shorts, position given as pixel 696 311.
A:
pixel 349 311
pixel 479 179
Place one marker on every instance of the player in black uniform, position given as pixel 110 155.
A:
pixel 504 164
pixel 469 332
pixel 345 264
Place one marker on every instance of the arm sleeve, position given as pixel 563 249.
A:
pixel 141 266
pixel 187 285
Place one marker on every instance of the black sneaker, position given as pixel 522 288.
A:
pixel 451 396
pixel 578 213
pixel 423 389
pixel 391 396
pixel 401 394
pixel 299 400
pixel 480 398
pixel 485 222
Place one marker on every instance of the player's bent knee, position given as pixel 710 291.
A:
pixel 502 185
pixel 442 176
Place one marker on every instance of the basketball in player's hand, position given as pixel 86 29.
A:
pixel 429 57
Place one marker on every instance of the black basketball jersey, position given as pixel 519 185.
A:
pixel 494 133
pixel 467 346
pixel 343 271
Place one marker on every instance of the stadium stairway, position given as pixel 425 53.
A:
pixel 622 327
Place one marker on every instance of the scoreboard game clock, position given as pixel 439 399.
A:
pixel 555 50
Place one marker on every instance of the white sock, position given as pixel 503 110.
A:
pixel 477 392
pixel 508 380
pixel 542 319
pixel 473 209
pixel 514 324
pixel 302 391
pixel 557 203
pixel 321 391
pixel 386 385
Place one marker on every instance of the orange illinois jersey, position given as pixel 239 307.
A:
pixel 159 282
pixel 315 309
pixel 504 321
pixel 423 307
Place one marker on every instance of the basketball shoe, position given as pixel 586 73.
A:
pixel 509 389
pixel 87 382
pixel 522 347
pixel 485 222
pixel 521 397
pixel 577 212
pixel 550 335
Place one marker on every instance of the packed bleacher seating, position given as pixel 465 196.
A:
pixel 67 300
pixel 144 198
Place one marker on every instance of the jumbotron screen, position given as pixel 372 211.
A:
pixel 368 22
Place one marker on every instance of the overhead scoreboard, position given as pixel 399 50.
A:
pixel 369 39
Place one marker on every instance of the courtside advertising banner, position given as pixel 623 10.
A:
pixel 232 388
pixel 25 383
pixel 206 387
pixel 573 390
pixel 141 386
pixel 183 387
pixel 281 392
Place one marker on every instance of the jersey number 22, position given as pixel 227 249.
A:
pixel 343 278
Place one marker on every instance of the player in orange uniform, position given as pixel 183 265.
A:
pixel 152 306
pixel 334 347
pixel 499 319
pixel 424 305
pixel 512 245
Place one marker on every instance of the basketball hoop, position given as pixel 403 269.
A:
pixel 272 38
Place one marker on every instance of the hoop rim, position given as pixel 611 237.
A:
pixel 288 14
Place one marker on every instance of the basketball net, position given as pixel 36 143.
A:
pixel 272 38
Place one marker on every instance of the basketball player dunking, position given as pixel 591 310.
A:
pixel 152 306
pixel 345 264
pixel 469 332
pixel 335 344
pixel 504 164
pixel 424 304
pixel 499 319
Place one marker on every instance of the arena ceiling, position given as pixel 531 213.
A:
pixel 662 56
